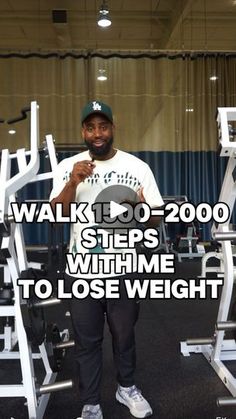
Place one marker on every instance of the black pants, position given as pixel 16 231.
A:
pixel 88 317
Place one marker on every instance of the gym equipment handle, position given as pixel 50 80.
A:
pixel 226 401
pixel 227 235
pixel 200 341
pixel 64 344
pixel 230 325
pixel 50 388
pixel 46 303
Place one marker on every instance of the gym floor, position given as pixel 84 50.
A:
pixel 177 387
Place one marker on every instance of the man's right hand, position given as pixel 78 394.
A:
pixel 81 170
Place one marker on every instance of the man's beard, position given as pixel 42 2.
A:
pixel 100 151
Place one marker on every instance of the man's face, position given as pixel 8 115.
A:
pixel 97 133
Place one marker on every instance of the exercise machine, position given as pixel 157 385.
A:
pixel 180 239
pixel 217 348
pixel 28 326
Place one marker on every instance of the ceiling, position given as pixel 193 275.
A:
pixel 199 25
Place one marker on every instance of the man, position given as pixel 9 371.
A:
pixel 84 178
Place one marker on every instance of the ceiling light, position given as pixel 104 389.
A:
pixel 104 19
pixel 214 78
pixel 11 131
pixel 189 110
pixel 101 75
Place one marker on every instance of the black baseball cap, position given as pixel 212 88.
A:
pixel 96 107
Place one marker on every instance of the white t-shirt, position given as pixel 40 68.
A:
pixel 122 169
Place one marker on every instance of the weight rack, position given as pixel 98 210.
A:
pixel 216 349
pixel 13 249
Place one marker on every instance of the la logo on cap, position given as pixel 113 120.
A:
pixel 96 106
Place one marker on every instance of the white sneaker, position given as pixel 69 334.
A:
pixel 133 399
pixel 91 411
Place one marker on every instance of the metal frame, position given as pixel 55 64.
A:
pixel 188 240
pixel 217 349
pixel 13 247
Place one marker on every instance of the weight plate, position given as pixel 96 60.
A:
pixel 34 321
pixel 55 355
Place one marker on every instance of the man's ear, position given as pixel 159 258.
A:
pixel 82 133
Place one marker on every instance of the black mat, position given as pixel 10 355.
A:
pixel 177 387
